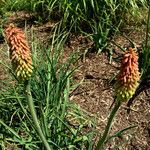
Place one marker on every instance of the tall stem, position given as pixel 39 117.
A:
pixel 34 116
pixel 108 126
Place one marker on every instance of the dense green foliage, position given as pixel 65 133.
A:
pixel 100 18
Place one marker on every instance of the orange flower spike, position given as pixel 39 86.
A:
pixel 20 54
pixel 127 81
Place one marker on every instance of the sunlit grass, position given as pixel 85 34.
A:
pixel 100 18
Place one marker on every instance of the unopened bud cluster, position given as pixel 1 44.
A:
pixel 129 76
pixel 19 50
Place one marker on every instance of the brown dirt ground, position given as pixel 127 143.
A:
pixel 96 94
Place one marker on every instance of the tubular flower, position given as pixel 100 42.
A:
pixel 127 81
pixel 19 50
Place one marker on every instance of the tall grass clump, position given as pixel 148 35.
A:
pixel 96 18
pixel 44 96
pixel 99 18
pixel 17 5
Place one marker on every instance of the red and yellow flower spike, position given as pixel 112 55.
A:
pixel 129 76
pixel 19 50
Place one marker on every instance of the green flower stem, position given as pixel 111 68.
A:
pixel 34 116
pixel 108 126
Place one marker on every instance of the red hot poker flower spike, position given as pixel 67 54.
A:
pixel 127 81
pixel 20 54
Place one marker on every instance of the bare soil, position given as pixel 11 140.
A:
pixel 96 93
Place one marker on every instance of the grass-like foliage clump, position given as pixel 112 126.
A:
pixel 62 122
pixel 97 18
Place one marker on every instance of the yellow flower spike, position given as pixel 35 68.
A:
pixel 20 54
pixel 127 81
